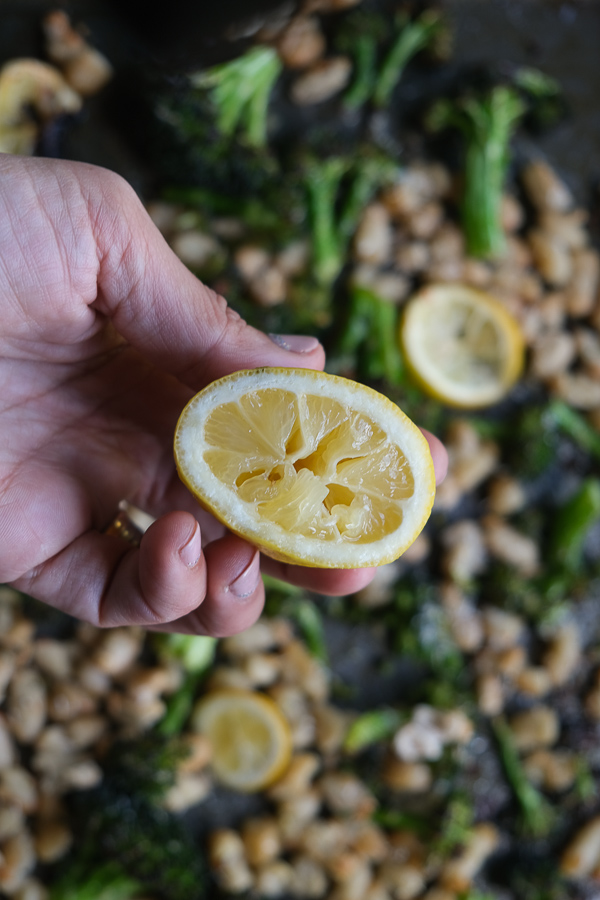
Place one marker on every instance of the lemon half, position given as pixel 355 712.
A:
pixel 462 345
pixel 312 468
pixel 250 737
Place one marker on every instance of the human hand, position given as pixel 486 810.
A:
pixel 105 336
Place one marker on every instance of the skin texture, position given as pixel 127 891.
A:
pixel 104 336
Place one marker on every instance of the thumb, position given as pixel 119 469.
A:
pixel 163 310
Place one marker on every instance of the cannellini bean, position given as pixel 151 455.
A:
pixel 68 700
pixel 582 854
pixel 331 726
pixel 476 272
pixel 535 727
pixel 554 770
pixel 511 662
pixel 552 353
pixel 505 495
pixel 52 840
pixel 228 862
pixel 512 214
pixel 17 861
pixel 8 751
pixel 269 287
pixel 31 889
pixel 294 813
pixel 262 840
pixel 490 694
pixel 345 794
pixel 416 741
pixel 309 879
pixel 448 243
pixel 297 778
pixel 545 189
pixel 8 664
pixel 81 774
pixel 366 839
pixel 54 658
pixel 145 684
pixel 228 677
pixel 293 259
pixel 86 730
pixel 321 81
pixel 373 237
pixel 189 789
pixel 379 591
pixel 588 346
pixel 563 654
pixel 425 221
pixel 465 552
pixel 409 777
pixel 12 821
pixel 194 248
pixel 19 636
pixel 511 546
pixel 323 839
pixel 458 873
pixel 274 878
pixel 413 257
pixel 552 310
pixel 582 290
pixel 93 679
pixel 199 753
pixel 568 228
pixel 502 629
pixel 577 389
pixel 262 669
pixel 463 617
pixel 405 881
pixel 18 788
pixel 117 650
pixel 250 261
pixel 353 877
pixel 263 635
pixel 552 259
pixel 299 667
pixel 534 681
pixel 26 705
pixel 301 43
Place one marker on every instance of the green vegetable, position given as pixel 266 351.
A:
pixel 575 426
pixel 538 815
pixel 371 728
pixel 487 124
pixel 241 90
pixel 108 882
pixel 413 36
pixel 125 840
pixel 572 524
pixel 370 336
pixel 195 653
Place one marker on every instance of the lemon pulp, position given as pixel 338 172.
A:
pixel 306 464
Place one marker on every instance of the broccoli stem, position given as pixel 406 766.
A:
pixel 323 184
pixel 487 125
pixel 365 57
pixel 372 328
pixel 107 882
pixel 492 125
pixel 413 37
pixel 538 815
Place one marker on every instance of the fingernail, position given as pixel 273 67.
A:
pixel 191 550
pixel 295 343
pixel 246 583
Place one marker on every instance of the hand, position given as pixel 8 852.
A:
pixel 104 337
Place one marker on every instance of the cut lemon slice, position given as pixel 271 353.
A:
pixel 250 737
pixel 312 468
pixel 462 346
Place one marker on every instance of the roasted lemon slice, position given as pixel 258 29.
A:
pixel 312 468
pixel 462 345
pixel 249 735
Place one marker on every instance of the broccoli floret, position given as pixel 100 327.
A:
pixel 126 840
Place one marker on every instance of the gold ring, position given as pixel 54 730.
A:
pixel 130 523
